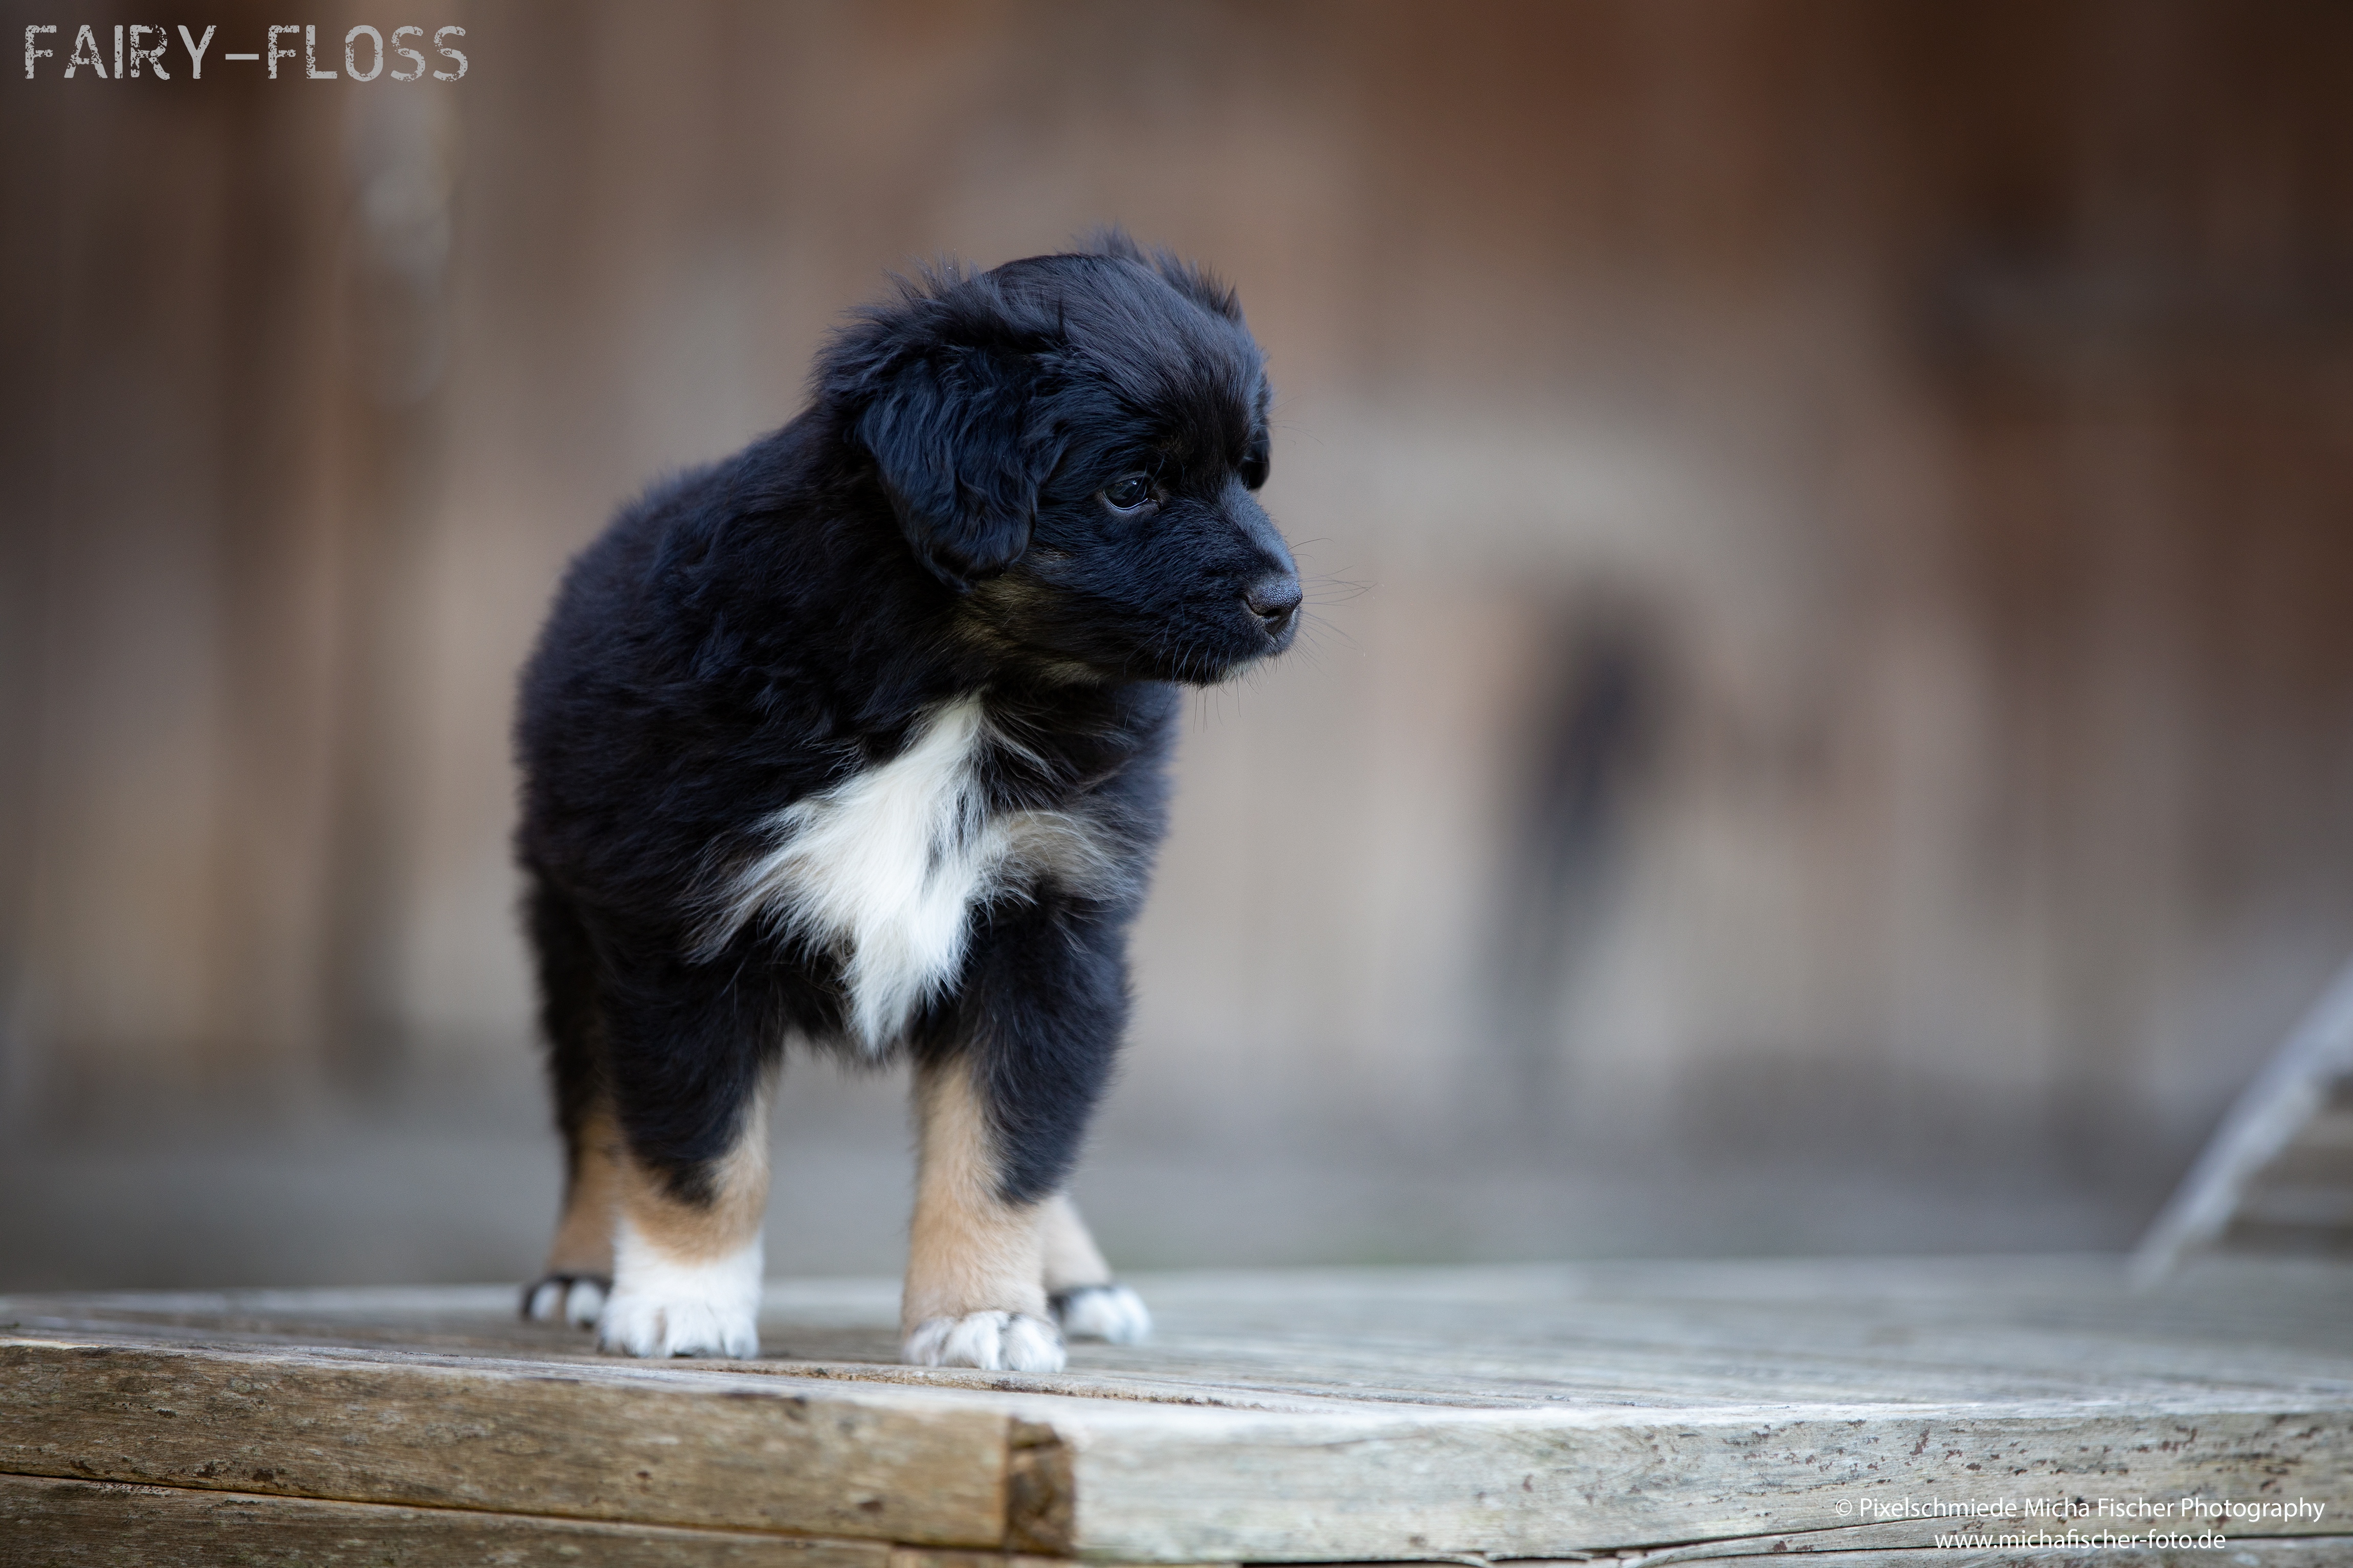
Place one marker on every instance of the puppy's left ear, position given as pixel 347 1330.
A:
pixel 950 436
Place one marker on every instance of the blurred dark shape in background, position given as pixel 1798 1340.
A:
pixel 1584 774
pixel 1848 743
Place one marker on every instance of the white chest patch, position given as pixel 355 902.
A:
pixel 886 866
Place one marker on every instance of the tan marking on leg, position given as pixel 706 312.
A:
pixel 968 1250
pixel 694 1233
pixel 686 1276
pixel 1070 1254
pixel 584 1237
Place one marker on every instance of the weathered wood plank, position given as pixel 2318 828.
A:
pixel 2333 1553
pixel 52 1523
pixel 593 1442
pixel 1516 1413
pixel 1667 1336
pixel 936 1557
pixel 1211 1485
pixel 48 1523
pixel 1870 1546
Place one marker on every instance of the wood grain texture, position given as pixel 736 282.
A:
pixel 48 1524
pixel 1868 1545
pixel 596 1442
pixel 2334 1552
pixel 1659 1335
pixel 1324 1416
pixel 1212 1485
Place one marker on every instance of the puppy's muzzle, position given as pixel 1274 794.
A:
pixel 1274 600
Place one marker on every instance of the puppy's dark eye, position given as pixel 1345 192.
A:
pixel 1131 492
pixel 1255 462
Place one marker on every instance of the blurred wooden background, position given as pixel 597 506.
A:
pixel 1830 522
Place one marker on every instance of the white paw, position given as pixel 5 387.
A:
pixel 1111 1313
pixel 992 1341
pixel 565 1299
pixel 661 1307
pixel 648 1325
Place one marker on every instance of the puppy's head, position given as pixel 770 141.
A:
pixel 1073 443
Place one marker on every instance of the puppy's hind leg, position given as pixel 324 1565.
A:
pixel 579 1271
pixel 1087 1303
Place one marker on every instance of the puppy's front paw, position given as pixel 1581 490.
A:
pixel 1111 1313
pixel 643 1323
pixel 662 1307
pixel 574 1298
pixel 992 1341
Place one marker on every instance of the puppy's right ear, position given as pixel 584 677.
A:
pixel 949 437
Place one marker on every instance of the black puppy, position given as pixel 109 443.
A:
pixel 857 739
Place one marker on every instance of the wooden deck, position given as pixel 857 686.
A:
pixel 1667 1412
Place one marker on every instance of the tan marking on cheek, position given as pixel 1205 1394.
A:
pixel 1069 1255
pixel 968 1250
pixel 699 1232
pixel 592 1199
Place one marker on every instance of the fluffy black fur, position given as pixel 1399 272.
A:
pixel 951 516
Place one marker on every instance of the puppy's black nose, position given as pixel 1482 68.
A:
pixel 1274 600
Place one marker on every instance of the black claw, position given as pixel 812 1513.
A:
pixel 602 1281
pixel 1059 1303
